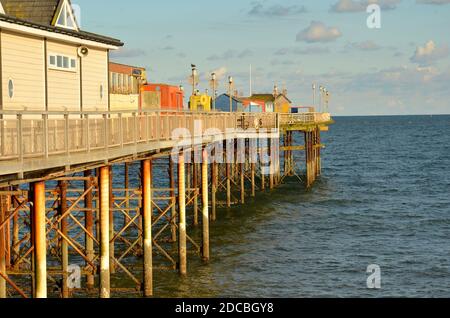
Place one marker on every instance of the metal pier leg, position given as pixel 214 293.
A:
pixel 112 268
pixel 3 242
pixel 127 193
pixel 272 166
pixel 89 224
pixel 196 188
pixel 40 242
pixel 146 175
pixel 173 216
pixel 228 172
pixel 182 252
pixel 64 246
pixel 214 173
pixel 104 233
pixel 205 207
pixel 253 180
pixel 15 238
pixel 319 140
pixel 241 172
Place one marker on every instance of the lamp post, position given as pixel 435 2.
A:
pixel 321 88
pixel 181 87
pixel 328 100
pixel 230 82
pixel 194 78
pixel 314 95
pixel 213 80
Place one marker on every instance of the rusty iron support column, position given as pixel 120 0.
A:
pixel 195 184
pixel 173 215
pixel 111 220
pixel 214 177
pixel 205 207
pixel 8 234
pixel 188 173
pixel 146 175
pixel 40 242
pixel 253 180
pixel 97 204
pixel 242 176
pixel 104 196
pixel 62 185
pixel 291 154
pixel 228 172
pixel 89 224
pixel 3 242
pixel 319 160
pixel 182 251
pixel 126 175
pixel 272 167
pixel 15 235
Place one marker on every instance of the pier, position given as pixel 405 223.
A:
pixel 71 222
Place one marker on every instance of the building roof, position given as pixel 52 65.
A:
pixel 263 97
pixel 236 99
pixel 39 14
pixel 37 11
pixel 268 97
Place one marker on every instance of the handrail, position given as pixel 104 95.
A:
pixel 23 136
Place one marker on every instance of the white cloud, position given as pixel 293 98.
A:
pixel 318 32
pixel 128 53
pixel 231 54
pixel 220 72
pixel 359 6
pixel 436 2
pixel 364 46
pixel 277 10
pixel 429 53
pixel 302 51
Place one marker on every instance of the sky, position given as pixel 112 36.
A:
pixel 402 68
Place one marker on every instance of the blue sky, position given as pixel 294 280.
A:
pixel 402 68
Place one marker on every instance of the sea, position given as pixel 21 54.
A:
pixel 382 202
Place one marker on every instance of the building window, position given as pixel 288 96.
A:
pixel 66 18
pixel 10 88
pixel 101 91
pixel 62 62
pixel 114 82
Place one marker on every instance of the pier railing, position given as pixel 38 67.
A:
pixel 28 134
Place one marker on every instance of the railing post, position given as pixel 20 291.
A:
pixel 147 128
pixel 66 133
pixel 87 134
pixel 105 130
pixel 20 137
pixel 45 135
pixel 2 135
pixel 135 130
pixel 158 126
pixel 121 130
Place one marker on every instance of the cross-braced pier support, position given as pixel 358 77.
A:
pixel 125 229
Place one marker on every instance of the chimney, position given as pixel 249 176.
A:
pixel 275 90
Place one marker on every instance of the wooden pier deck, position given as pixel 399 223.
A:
pixel 58 203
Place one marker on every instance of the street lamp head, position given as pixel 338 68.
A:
pixel 230 79
pixel 213 76
pixel 182 88
pixel 314 86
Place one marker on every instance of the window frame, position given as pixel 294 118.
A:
pixel 70 59
pixel 68 10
